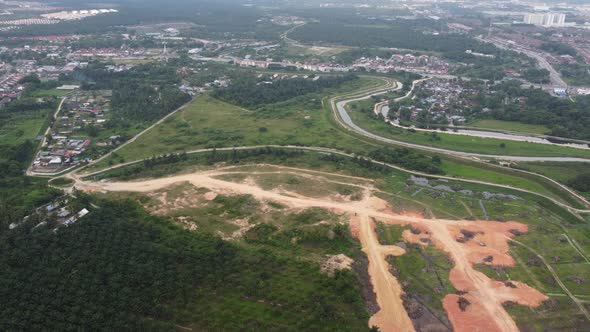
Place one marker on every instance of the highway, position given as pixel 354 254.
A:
pixel 556 80
pixel 339 107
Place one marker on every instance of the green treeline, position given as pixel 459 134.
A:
pixel 409 34
pixel 248 91
pixel 566 118
pixel 158 166
pixel 408 159
pixel 143 94
pixel 120 268
pixel 581 182
pixel 558 48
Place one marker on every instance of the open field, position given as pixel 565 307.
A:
pixel 49 93
pixel 561 172
pixel 298 49
pixel 22 126
pixel 209 123
pixel 510 126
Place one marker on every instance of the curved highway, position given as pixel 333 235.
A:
pixel 343 117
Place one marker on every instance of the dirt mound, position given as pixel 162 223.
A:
pixel 336 263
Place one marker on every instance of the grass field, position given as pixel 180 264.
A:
pixel 560 172
pixel 209 123
pixel 366 120
pixel 49 93
pixel 510 126
pixel 314 50
pixel 22 126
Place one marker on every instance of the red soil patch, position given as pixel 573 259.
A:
pixel 473 319
pixel 490 240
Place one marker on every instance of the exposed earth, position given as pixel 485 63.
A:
pixel 478 305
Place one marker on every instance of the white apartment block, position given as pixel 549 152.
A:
pixel 545 19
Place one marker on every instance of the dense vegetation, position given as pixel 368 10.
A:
pixel 575 73
pixel 248 91
pixel 581 182
pixel 19 195
pixel 536 75
pixel 558 48
pixel 566 118
pixel 142 94
pixel 408 159
pixel 151 275
pixel 410 34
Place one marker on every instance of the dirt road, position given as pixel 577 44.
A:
pixel 392 317
pixel 485 311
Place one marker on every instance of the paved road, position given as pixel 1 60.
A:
pixel 556 79
pixel 339 107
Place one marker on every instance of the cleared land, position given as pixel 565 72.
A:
pixel 485 295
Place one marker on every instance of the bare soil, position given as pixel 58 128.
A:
pixel 485 297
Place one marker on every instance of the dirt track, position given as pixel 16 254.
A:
pixel 485 311
pixel 392 316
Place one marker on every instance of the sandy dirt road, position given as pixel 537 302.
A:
pixel 485 311
pixel 392 316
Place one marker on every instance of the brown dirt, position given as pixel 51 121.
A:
pixel 334 263
pixel 392 315
pixel 485 311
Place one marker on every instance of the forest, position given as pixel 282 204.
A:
pixel 142 94
pixel 408 159
pixel 248 91
pixel 212 19
pixel 149 274
pixel 575 73
pixel 558 48
pixel 408 34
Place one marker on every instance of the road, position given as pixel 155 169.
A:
pixel 339 109
pixel 556 80
pixel 47 131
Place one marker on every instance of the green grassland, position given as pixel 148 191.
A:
pixel 61 182
pixel 560 172
pixel 19 127
pixel 211 123
pixel 509 126
pixel 49 93
pixel 362 114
